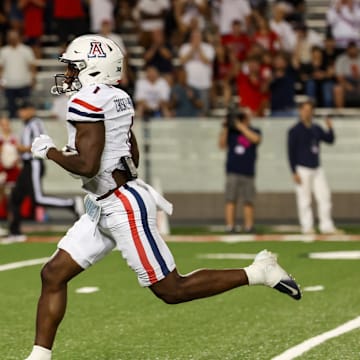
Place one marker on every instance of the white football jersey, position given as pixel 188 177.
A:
pixel 114 107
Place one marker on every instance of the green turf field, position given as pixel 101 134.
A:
pixel 124 321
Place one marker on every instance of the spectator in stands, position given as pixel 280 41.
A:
pixel 14 15
pixel 238 41
pixel 230 10
pixel 303 150
pixel 100 11
pixel 184 101
pixel 241 141
pixel 4 23
pixel 17 71
pixel 347 70
pixel 70 19
pixel 190 15
pixel 152 95
pixel 331 52
pixel 197 57
pixel 33 12
pixel 253 87
pixel 282 87
pixel 343 17
pixel 9 164
pixel 282 28
pixel 263 34
pixel 306 39
pixel 296 11
pixel 226 66
pixel 150 16
pixel 318 79
pixel 159 54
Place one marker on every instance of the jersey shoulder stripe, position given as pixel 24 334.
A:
pixel 86 114
pixel 86 105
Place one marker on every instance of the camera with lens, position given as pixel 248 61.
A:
pixel 233 115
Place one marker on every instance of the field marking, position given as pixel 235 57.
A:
pixel 336 255
pixel 227 256
pixel 314 288
pixel 21 264
pixel 305 346
pixel 87 290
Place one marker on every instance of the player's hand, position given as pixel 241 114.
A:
pixel 41 146
pixel 297 179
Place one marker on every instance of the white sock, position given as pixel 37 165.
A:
pixel 254 274
pixel 39 353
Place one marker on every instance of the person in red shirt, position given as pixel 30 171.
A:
pixel 253 87
pixel 264 36
pixel 237 41
pixel 33 12
pixel 9 163
pixel 70 19
pixel 225 69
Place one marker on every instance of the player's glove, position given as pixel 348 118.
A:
pixel 41 146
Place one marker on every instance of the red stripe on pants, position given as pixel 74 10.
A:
pixel 135 235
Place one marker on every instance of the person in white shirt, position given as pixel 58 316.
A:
pixel 190 14
pixel 152 94
pixel 344 19
pixel 230 10
pixel 197 57
pixel 100 10
pixel 17 71
pixel 150 16
pixel 282 28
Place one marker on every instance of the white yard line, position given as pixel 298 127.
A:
pixel 21 264
pixel 305 346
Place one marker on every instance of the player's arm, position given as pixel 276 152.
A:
pixel 89 142
pixel 135 154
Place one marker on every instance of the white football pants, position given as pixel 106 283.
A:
pixel 313 181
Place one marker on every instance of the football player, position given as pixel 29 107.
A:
pixel 120 208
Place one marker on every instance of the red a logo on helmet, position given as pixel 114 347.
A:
pixel 96 50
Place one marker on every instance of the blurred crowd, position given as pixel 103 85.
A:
pixel 198 55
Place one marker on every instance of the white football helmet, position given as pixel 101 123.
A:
pixel 97 59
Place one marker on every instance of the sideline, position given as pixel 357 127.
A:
pixel 21 264
pixel 305 346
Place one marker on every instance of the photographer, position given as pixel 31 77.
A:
pixel 241 141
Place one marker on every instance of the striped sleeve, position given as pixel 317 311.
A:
pixel 85 107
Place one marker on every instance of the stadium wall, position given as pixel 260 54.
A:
pixel 185 159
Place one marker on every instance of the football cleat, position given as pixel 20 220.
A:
pixel 266 270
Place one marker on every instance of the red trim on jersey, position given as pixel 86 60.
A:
pixel 136 238
pixel 86 105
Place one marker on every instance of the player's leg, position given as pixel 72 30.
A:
pixel 82 246
pixel 176 288
pixel 52 302
pixel 303 199
pixel 149 256
pixel 323 199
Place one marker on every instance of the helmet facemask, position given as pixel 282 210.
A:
pixel 69 82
